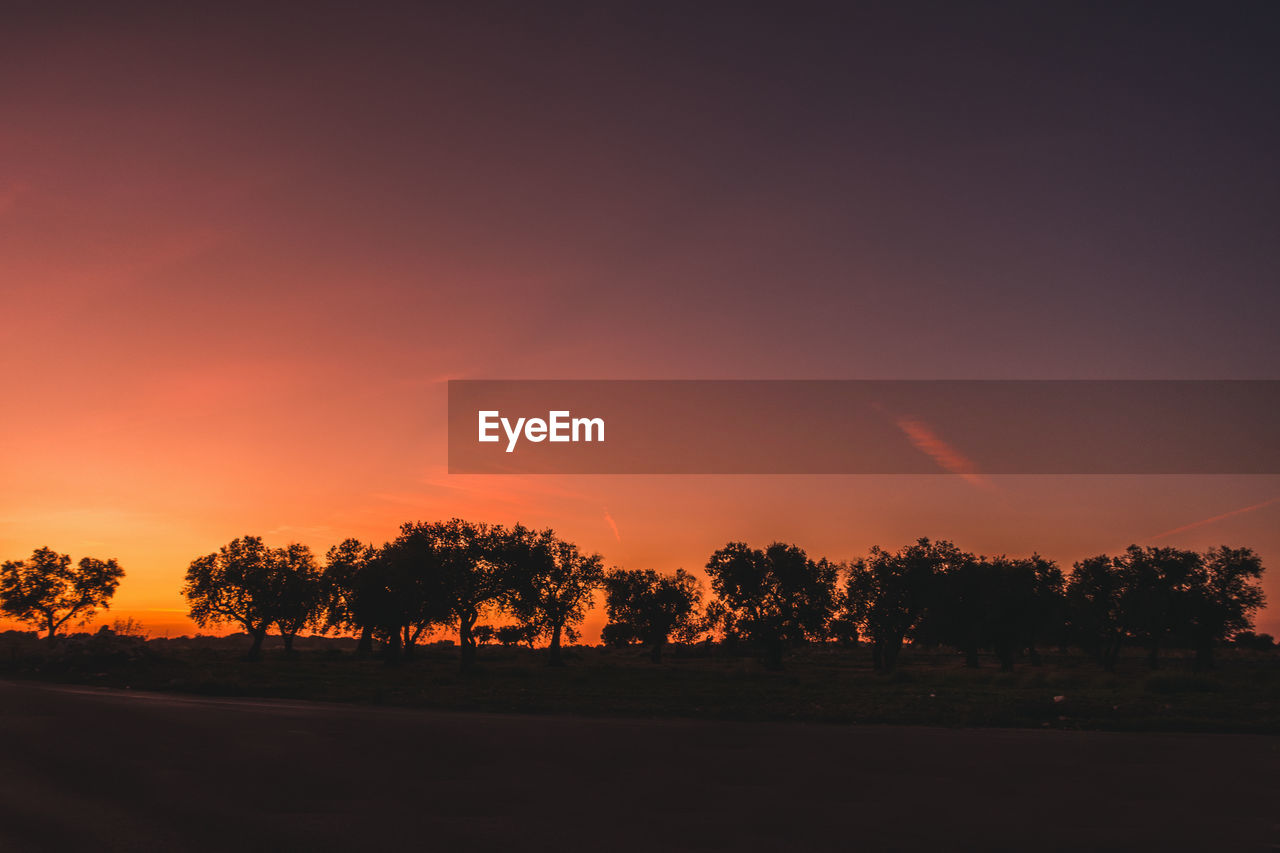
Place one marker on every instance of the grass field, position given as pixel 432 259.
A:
pixel 828 684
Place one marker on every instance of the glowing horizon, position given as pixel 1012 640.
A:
pixel 238 263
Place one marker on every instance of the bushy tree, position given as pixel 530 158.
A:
pixel 47 591
pixel 776 597
pixel 405 593
pixel 452 572
pixel 957 606
pixel 1095 597
pixel 1254 642
pixel 1227 594
pixel 514 635
pixel 1005 604
pixel 348 581
pixel 1025 602
pixel 1047 616
pixel 1159 590
pixel 646 607
pixel 299 592
pixel 249 584
pixel 1159 596
pixel 888 593
pixel 550 585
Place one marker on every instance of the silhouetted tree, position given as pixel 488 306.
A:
pixel 776 597
pixel 459 569
pixel 719 619
pixel 957 606
pixel 514 635
pixel 550 585
pixel 47 591
pixel 346 576
pixel 1095 595
pixel 1159 585
pixel 1026 599
pixel 888 593
pixel 1226 594
pixel 484 634
pixel 649 608
pixel 247 583
pixel 1159 596
pixel 1047 617
pixel 1254 642
pixel 298 591
pixel 404 592
pixel 843 625
pixel 1004 604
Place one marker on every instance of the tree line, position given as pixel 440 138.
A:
pixel 450 575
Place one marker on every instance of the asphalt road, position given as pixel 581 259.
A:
pixel 87 769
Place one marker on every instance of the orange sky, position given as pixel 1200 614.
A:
pixel 239 259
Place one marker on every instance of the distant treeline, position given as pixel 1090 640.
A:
pixel 451 575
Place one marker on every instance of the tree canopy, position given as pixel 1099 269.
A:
pixel 48 591
pixel 888 593
pixel 450 573
pixel 773 597
pixel 646 607
pixel 551 585
pixel 247 583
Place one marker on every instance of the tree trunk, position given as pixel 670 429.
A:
pixel 393 647
pixel 553 651
pixel 365 647
pixel 466 644
pixel 1034 654
pixel 655 654
pixel 1153 656
pixel 971 657
pixel 255 650
pixel 1204 656
pixel 288 642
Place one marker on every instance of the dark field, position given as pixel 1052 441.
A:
pixel 831 685
pixel 90 768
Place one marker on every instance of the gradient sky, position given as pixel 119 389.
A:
pixel 241 250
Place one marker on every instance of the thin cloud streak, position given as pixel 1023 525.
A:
pixel 922 436
pixel 1214 519
pixel 613 525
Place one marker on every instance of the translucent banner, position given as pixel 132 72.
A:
pixel 968 428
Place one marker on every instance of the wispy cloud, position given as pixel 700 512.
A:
pixel 924 439
pixel 613 525
pixel 1214 519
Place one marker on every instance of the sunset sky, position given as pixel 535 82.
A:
pixel 243 248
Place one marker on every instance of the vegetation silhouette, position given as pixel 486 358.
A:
pixel 889 594
pixel 1159 598
pixel 449 575
pixel 347 585
pixel 249 584
pixel 551 586
pixel 650 608
pixel 773 598
pixel 47 591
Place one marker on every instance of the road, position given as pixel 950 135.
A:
pixel 84 768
